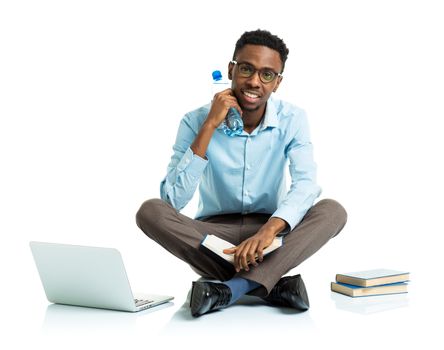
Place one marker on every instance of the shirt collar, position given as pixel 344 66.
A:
pixel 270 118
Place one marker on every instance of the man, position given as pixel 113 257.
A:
pixel 243 196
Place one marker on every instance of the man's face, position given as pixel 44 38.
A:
pixel 251 92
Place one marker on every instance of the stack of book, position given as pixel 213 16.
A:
pixel 371 282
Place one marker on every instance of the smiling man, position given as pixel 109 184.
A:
pixel 243 195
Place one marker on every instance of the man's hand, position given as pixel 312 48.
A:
pixel 222 102
pixel 220 105
pixel 252 248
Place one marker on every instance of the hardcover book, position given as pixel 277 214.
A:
pixel 216 245
pixel 355 291
pixel 373 277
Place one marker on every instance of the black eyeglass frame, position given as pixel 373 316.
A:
pixel 276 74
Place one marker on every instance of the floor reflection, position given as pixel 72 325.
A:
pixel 370 304
pixel 247 314
pixel 65 318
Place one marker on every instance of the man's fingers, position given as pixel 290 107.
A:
pixel 251 256
pixel 228 91
pixel 232 102
pixel 244 262
pixel 227 95
pixel 240 257
pixel 237 265
pixel 230 250
pixel 248 252
pixel 248 255
pixel 260 252
pixel 260 255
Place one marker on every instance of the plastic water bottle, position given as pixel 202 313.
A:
pixel 233 124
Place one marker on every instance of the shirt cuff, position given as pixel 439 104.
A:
pixel 291 218
pixel 287 226
pixel 192 164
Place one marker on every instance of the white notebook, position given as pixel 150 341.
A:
pixel 217 246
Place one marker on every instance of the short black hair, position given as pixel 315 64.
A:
pixel 263 38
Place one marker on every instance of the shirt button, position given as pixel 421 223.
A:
pixel 248 167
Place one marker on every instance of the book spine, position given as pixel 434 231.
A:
pixel 351 280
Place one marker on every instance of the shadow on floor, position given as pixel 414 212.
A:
pixel 249 313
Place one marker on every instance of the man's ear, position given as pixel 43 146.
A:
pixel 278 83
pixel 230 70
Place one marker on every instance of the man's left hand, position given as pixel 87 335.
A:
pixel 251 249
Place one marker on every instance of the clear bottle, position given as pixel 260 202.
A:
pixel 233 124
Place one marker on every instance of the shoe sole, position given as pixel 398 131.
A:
pixel 198 293
pixel 302 291
pixel 193 302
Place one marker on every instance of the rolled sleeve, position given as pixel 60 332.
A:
pixel 185 168
pixel 181 182
pixel 294 213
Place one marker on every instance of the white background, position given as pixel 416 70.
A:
pixel 91 94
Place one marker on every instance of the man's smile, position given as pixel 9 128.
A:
pixel 250 96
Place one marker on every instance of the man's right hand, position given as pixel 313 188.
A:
pixel 220 105
pixel 222 102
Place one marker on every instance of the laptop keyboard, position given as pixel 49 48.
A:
pixel 140 302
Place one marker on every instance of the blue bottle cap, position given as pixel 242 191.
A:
pixel 217 75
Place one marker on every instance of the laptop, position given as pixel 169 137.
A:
pixel 88 276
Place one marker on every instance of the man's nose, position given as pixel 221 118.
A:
pixel 254 80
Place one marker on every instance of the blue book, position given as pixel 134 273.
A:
pixel 356 291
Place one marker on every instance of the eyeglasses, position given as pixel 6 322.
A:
pixel 246 70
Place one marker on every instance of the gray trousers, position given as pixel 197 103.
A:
pixel 181 236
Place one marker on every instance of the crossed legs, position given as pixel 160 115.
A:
pixel 181 236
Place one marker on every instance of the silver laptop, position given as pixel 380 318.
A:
pixel 88 276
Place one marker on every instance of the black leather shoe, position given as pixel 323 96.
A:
pixel 208 296
pixel 289 291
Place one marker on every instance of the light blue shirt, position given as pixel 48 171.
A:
pixel 246 173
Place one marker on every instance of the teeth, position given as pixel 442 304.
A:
pixel 249 94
